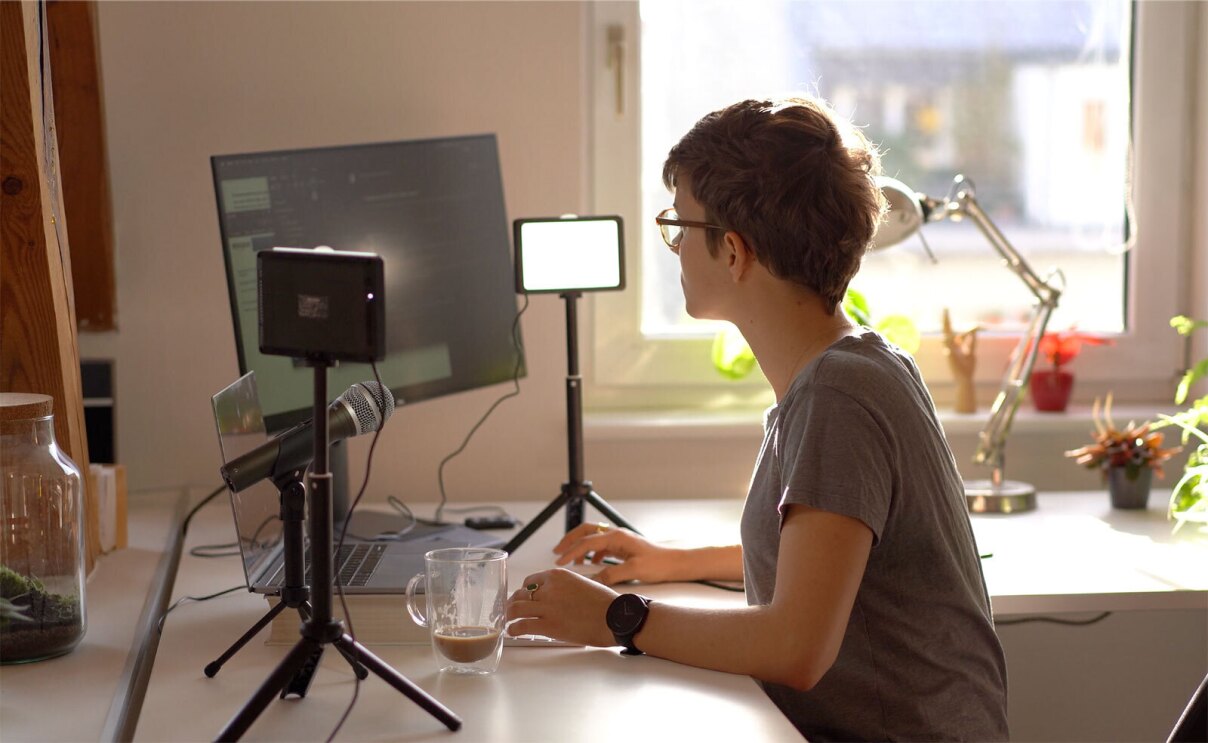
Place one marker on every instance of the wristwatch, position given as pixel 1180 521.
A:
pixel 625 617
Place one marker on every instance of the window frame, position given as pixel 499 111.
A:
pixel 630 371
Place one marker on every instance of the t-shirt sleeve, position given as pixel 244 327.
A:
pixel 836 456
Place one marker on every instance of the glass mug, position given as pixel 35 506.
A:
pixel 465 593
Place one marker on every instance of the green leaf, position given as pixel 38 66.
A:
pixel 732 357
pixel 1193 375
pixel 1184 325
pixel 855 305
pixel 902 332
pixel 11 612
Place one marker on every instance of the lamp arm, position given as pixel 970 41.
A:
pixel 966 203
pixel 992 440
pixel 993 437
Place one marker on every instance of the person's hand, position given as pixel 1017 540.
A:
pixel 562 605
pixel 641 560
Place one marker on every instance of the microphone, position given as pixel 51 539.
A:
pixel 363 407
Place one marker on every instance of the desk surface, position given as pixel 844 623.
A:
pixel 80 696
pixel 538 694
pixel 1073 554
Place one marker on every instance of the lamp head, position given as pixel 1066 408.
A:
pixel 906 214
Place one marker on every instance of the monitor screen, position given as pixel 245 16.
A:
pixel 432 209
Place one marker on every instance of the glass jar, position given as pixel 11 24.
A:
pixel 41 535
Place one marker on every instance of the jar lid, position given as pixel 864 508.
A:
pixel 19 406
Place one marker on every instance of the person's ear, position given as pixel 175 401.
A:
pixel 738 255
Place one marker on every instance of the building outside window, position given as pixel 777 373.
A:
pixel 1038 103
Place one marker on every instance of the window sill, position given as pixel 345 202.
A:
pixel 694 424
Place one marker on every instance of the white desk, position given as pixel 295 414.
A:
pixel 538 694
pixel 83 695
pixel 1074 554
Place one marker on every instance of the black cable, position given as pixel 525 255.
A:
pixel 440 470
pixel 356 687
pixel 199 552
pixel 184 525
pixel 216 550
pixel 722 586
pixel 1055 620
pixel 182 599
pixel 209 551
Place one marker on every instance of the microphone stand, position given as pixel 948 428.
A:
pixel 295 594
pixel 576 490
pixel 321 629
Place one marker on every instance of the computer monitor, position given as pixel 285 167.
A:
pixel 433 209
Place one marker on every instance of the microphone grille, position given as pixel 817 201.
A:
pixel 371 403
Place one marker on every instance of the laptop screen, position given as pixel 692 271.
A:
pixel 257 509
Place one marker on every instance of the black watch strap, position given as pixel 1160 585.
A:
pixel 626 616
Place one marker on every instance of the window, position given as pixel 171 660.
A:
pixel 1029 100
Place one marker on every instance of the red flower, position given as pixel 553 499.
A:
pixel 1061 347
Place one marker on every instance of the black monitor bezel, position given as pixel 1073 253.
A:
pixel 277 422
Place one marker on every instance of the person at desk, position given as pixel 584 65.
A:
pixel 868 616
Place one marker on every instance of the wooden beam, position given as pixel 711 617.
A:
pixel 39 350
pixel 80 126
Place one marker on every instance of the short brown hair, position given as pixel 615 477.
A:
pixel 793 179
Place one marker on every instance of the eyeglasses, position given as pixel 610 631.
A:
pixel 671 227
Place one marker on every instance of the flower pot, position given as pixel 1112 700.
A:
pixel 1051 390
pixel 1129 488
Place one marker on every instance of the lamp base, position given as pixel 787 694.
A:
pixel 1009 496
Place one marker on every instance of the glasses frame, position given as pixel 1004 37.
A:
pixel 664 221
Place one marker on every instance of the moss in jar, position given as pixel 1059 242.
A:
pixel 36 623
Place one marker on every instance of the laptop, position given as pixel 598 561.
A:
pixel 375 566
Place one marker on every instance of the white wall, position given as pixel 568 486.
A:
pixel 184 81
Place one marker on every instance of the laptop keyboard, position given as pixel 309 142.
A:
pixel 358 565
pixel 354 564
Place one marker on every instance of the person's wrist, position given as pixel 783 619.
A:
pixel 690 562
pixel 626 617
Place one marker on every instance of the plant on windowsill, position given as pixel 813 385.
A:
pixel 733 359
pixel 1127 457
pixel 1050 388
pixel 1189 496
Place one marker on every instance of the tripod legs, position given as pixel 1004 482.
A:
pixel 296 661
pixel 602 506
pixel 383 671
pixel 572 497
pixel 575 490
pixel 304 609
pixel 214 667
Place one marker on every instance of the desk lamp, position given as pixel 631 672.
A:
pixel 908 212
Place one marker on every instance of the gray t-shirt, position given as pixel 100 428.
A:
pixel 857 434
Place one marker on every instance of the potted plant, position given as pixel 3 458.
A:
pixel 1189 496
pixel 1127 457
pixel 1051 387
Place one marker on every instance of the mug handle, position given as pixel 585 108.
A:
pixel 417 615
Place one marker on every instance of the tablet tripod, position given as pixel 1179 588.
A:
pixel 295 594
pixel 320 629
pixel 575 491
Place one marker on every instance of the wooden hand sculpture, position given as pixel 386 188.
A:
pixel 960 348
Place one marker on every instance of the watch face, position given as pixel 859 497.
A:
pixel 626 613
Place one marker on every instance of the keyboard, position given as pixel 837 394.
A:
pixel 354 564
